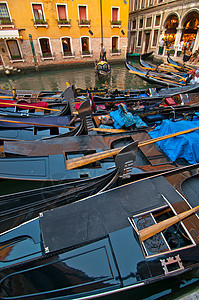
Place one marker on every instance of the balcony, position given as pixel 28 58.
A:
pixel 64 23
pixel 115 52
pixel 84 23
pixel 86 53
pixel 68 54
pixel 40 23
pixel 6 23
pixel 116 24
pixel 47 56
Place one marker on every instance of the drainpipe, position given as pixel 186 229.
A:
pixel 101 22
pixel 33 50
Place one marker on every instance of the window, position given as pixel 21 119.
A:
pixel 45 48
pixel 66 47
pixel 141 23
pixel 115 46
pixel 148 22
pixel 134 24
pixel 83 18
pixel 4 15
pixel 139 38
pixel 38 12
pixel 13 49
pixel 62 15
pixel 143 4
pixel 155 38
pixel 157 20
pixel 115 17
pixel 85 46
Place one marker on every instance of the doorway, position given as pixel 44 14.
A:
pixel 147 38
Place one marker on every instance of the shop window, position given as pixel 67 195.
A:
pixel 157 20
pixel 139 38
pixel 45 48
pixel 66 46
pixel 62 15
pixel 13 49
pixel 148 22
pixel 155 38
pixel 4 15
pixel 141 23
pixel 83 18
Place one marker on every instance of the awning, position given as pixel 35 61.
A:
pixel 9 34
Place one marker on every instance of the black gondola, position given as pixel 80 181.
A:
pixel 157 78
pixel 102 70
pixel 179 66
pixel 97 247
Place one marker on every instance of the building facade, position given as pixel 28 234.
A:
pixel 61 32
pixel 172 20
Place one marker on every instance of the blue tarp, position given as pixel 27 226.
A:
pixel 183 146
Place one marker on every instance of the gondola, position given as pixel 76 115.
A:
pixel 133 56
pixel 82 159
pixel 179 66
pixel 28 204
pixel 156 78
pixel 102 70
pixel 133 241
pixel 161 68
pixel 33 97
pixel 35 128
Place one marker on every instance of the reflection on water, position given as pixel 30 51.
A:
pixel 80 77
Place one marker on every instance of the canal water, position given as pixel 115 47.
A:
pixel 79 77
pixel 56 80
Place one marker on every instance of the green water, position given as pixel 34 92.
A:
pixel 80 77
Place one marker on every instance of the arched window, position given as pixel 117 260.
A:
pixel 45 48
pixel 13 49
pixel 66 46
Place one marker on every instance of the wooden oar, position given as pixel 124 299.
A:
pixel 26 105
pixel 81 161
pixel 33 124
pixel 167 80
pixel 150 231
pixel 110 130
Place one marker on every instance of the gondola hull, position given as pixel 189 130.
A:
pixel 91 248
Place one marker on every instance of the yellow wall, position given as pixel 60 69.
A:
pixel 21 12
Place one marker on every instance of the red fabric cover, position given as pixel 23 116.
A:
pixel 25 105
pixel 170 101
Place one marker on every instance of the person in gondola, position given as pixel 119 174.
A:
pixel 103 53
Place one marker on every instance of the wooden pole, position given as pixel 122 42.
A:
pixel 33 124
pixel 150 231
pixel 79 162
